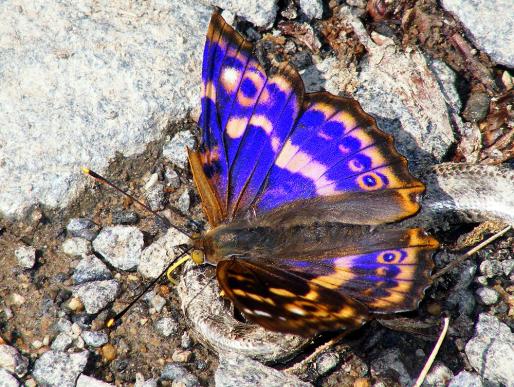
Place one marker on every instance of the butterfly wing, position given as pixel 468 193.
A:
pixel 307 295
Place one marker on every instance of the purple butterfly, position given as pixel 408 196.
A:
pixel 296 187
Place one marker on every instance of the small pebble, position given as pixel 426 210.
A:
pixel 463 300
pixel 82 228
pixel 75 304
pixel 156 302
pixel 491 268
pixel 141 382
pixel 482 280
pixel 90 268
pixel 12 360
pixel 171 177
pixel 166 326
pixel 108 352
pixel 185 341
pixel 313 9
pixel 88 381
pixel 125 217
pixel 487 296
pixel 326 362
pixel 439 375
pixel 466 379
pixel 508 267
pixel 121 246
pixel 155 197
pixel 15 299
pixel 184 202
pixel 173 371
pixel 94 339
pixel 62 342
pixel 7 380
pixel 96 295
pixel 75 246
pixel 175 149
pixel 58 368
pixel 26 256
pixel 181 356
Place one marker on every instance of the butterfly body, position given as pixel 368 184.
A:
pixel 298 189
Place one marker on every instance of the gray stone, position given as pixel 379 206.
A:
pixel 439 375
pixel 463 300
pixel 175 150
pixel 121 246
pixel 125 217
pixel 94 339
pixel 26 256
pixel 7 380
pixel 154 193
pixel 160 253
pixel 508 267
pixel 89 83
pixel 466 379
pixel 236 370
pixel 490 24
pixel 76 246
pixel 184 201
pixel 313 9
pixel 185 341
pixel 96 295
pixel 174 371
pixel 62 342
pixel 90 268
pixel 82 228
pixel 327 362
pixel 56 368
pixel 12 360
pixel 166 326
pixel 487 296
pixel 491 351
pixel 491 268
pixel 261 13
pixel 141 382
pixel 171 177
pixel 390 360
pixel 466 274
pixel 88 381
pixel 63 325
pixel 155 301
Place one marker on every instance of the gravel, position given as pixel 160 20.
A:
pixel 26 256
pixel 313 9
pixel 487 296
pixel 96 295
pixel 166 326
pixel 7 380
pixel 12 361
pixel 88 381
pixel 120 245
pixel 82 228
pixel 90 268
pixel 76 246
pixel 57 368
pixel 175 150
pixel 94 339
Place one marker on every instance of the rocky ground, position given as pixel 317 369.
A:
pixel 115 85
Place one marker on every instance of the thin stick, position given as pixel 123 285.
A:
pixel 431 358
pixel 110 323
pixel 465 256
pixel 103 180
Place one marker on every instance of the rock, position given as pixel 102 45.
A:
pixel 94 339
pixel 156 302
pixel 96 295
pixel 62 342
pixel 160 253
pixel 109 352
pixel 179 375
pixel 175 150
pixel 121 246
pixel 477 107
pixel 466 379
pixel 166 326
pixel 313 9
pixel 184 201
pixel 76 246
pixel 82 228
pixel 181 356
pixel 63 325
pixel 236 370
pixel 59 368
pixel 439 375
pixel 125 217
pixel 326 362
pixel 491 351
pixel 390 360
pixel 88 381
pixel 508 267
pixel 261 13
pixel 463 300
pixel 12 360
pixel 185 341
pixel 141 382
pixel 171 177
pixel 26 256
pixel 487 296
pixel 7 380
pixel 90 268
pixel 85 96
pixel 154 193
pixel 491 268
pixel 490 24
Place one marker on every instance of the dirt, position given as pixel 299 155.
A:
pixel 139 349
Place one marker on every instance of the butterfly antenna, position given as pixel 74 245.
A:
pixel 103 180
pixel 179 260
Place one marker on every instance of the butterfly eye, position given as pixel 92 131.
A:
pixel 198 256
pixel 391 257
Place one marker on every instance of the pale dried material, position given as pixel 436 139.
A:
pixel 214 325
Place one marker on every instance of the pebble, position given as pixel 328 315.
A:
pixel 82 228
pixel 181 356
pixel 491 351
pixel 156 302
pixel 62 342
pixel 63 325
pixel 173 371
pixel 94 339
pixel 15 299
pixel 487 296
pixel 175 149
pixel 238 370
pixel 466 379
pixel 491 268
pixel 121 246
pixel 184 201
pixel 96 295
pixel 7 380
pixel 108 352
pixel 326 362
pixel 75 304
pixel 155 196
pixel 57 368
pixel 508 267
pixel 12 360
pixel 90 268
pixel 166 326
pixel 141 382
pixel 185 341
pixel 466 275
pixel 439 375
pixel 76 246
pixel 313 9
pixel 88 381
pixel 477 107
pixel 463 300
pixel 125 217
pixel 390 360
pixel 171 178
pixel 26 256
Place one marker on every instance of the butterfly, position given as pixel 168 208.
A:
pixel 297 188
